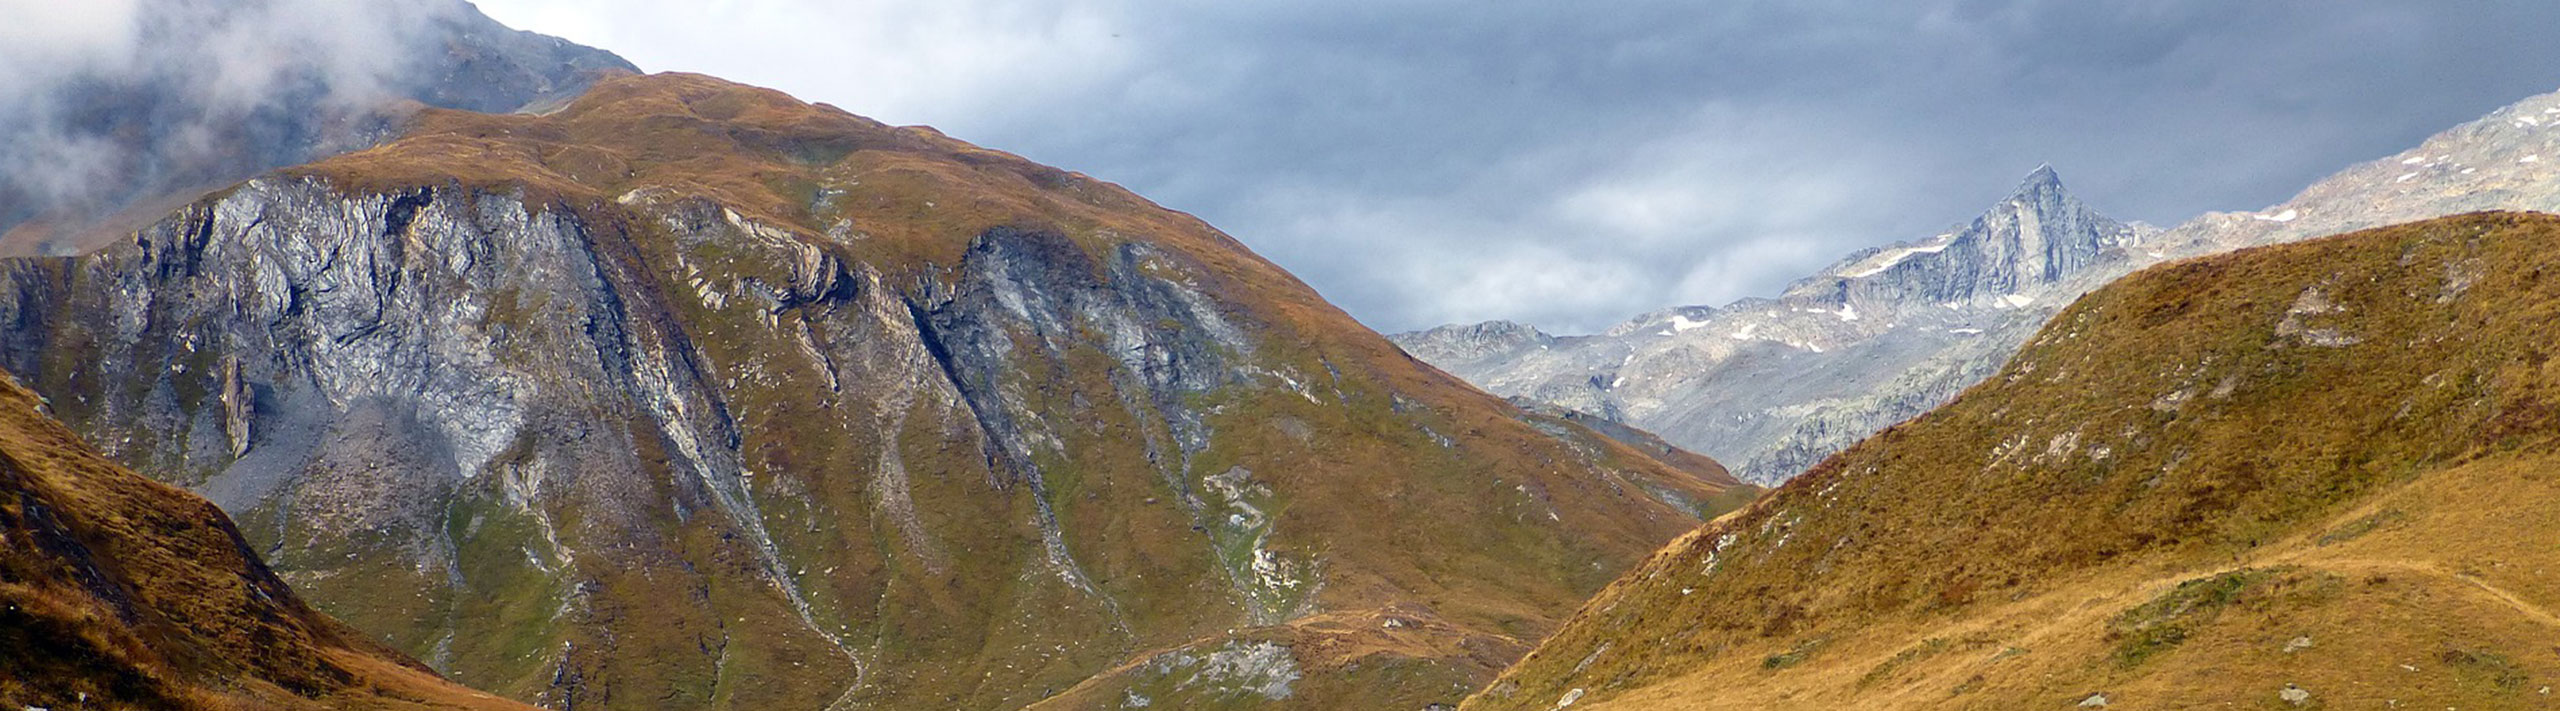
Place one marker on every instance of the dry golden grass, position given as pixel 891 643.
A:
pixel 2345 442
pixel 120 592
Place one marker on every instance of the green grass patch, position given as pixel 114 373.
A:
pixel 2162 624
pixel 2483 667
pixel 2355 529
pixel 1795 655
pixel 1902 660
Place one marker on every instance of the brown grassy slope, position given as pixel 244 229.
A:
pixel 116 591
pixel 2327 464
pixel 1486 537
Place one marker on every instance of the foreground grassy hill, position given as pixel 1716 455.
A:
pixel 120 592
pixel 692 395
pixel 2318 475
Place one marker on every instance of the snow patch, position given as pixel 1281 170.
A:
pixel 2414 161
pixel 2404 177
pixel 1847 312
pixel 2535 158
pixel 1895 257
pixel 2015 301
pixel 2287 216
pixel 1964 331
pixel 1681 322
pixel 1747 333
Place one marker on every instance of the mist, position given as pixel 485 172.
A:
pixel 110 106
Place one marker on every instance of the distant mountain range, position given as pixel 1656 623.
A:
pixel 1776 385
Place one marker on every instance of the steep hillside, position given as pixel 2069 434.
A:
pixel 691 395
pixel 118 592
pixel 2309 475
pixel 199 95
pixel 1777 384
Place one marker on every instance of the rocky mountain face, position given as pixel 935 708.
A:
pixel 1889 333
pixel 2311 475
pixel 199 96
pixel 1777 384
pixel 2499 162
pixel 691 395
pixel 119 592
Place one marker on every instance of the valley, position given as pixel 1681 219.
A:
pixel 389 357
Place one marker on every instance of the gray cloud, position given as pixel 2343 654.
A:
pixel 104 103
pixel 1572 164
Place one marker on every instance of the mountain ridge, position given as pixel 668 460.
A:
pixel 691 394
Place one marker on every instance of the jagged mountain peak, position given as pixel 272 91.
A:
pixel 2042 179
pixel 1730 381
pixel 2040 235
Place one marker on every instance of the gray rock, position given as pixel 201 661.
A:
pixel 1777 384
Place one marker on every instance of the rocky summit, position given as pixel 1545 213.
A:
pixel 691 395
pixel 2312 475
pixel 1777 384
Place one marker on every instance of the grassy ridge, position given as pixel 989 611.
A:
pixel 2181 475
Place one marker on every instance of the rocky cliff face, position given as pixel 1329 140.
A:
pixel 195 99
pixel 689 395
pixel 118 592
pixel 1777 384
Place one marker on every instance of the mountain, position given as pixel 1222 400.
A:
pixel 1777 384
pixel 119 592
pixel 1793 389
pixel 202 94
pixel 2308 475
pixel 688 394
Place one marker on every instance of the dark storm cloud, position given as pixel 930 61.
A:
pixel 1572 164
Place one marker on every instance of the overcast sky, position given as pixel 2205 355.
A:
pixel 1571 164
